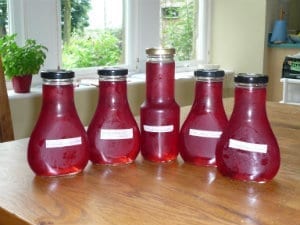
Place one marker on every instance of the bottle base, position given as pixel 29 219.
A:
pixel 60 175
pixel 202 162
pixel 121 163
pixel 250 179
pixel 160 160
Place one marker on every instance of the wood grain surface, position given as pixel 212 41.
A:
pixel 6 126
pixel 148 193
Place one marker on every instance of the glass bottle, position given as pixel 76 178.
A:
pixel 248 149
pixel 206 120
pixel 113 132
pixel 160 112
pixel 58 144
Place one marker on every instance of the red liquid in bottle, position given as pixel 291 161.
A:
pixel 248 149
pixel 58 144
pixel 159 113
pixel 113 132
pixel 204 124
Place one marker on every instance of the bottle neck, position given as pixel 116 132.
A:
pixel 112 93
pixel 160 81
pixel 209 94
pixel 58 98
pixel 250 102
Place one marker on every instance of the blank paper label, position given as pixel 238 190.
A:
pixel 159 129
pixel 66 142
pixel 246 146
pixel 116 134
pixel 205 133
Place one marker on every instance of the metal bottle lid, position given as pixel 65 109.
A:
pixel 209 73
pixel 57 74
pixel 112 72
pixel 160 51
pixel 251 78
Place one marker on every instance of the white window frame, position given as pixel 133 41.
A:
pixel 142 31
pixel 148 33
pixel 26 16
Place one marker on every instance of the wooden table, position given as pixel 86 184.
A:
pixel 147 193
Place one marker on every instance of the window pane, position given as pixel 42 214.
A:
pixel 92 32
pixel 179 27
pixel 3 18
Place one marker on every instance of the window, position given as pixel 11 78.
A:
pixel 92 33
pixel 131 26
pixel 179 27
pixel 102 41
pixel 3 18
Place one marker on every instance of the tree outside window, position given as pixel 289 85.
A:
pixel 3 18
pixel 179 27
pixel 84 46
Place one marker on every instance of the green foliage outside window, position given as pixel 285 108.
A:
pixel 82 47
pixel 3 18
pixel 102 49
pixel 179 32
pixel 74 17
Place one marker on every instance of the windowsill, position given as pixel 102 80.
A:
pixel 90 82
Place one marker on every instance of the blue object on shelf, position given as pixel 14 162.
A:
pixel 279 33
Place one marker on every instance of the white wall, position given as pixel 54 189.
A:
pixel 239 35
pixel 30 14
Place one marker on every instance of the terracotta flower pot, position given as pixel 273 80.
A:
pixel 22 84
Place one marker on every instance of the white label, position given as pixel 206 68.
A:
pixel 246 146
pixel 159 129
pixel 57 143
pixel 116 134
pixel 205 133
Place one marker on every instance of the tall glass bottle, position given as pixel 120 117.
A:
pixel 206 120
pixel 113 132
pixel 58 144
pixel 160 112
pixel 248 149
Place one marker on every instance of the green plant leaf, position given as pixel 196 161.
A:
pixel 19 61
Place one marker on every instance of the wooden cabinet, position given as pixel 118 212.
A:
pixel 276 57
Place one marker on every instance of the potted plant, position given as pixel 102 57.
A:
pixel 20 63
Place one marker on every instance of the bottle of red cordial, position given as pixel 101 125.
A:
pixel 206 120
pixel 160 112
pixel 58 144
pixel 248 149
pixel 113 132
